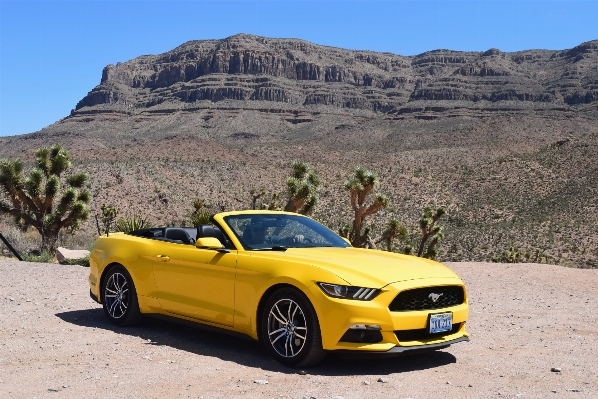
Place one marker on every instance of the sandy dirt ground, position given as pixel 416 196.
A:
pixel 525 319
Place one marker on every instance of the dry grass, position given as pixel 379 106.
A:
pixel 26 242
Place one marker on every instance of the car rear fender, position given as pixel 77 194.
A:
pixel 124 250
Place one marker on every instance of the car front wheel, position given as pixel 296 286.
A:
pixel 290 329
pixel 119 297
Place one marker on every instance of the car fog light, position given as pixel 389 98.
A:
pixel 365 327
pixel 363 333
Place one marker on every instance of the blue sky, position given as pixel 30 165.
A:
pixel 52 53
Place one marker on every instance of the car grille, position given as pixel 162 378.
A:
pixel 419 298
pixel 423 334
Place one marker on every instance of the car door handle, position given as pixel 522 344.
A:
pixel 163 258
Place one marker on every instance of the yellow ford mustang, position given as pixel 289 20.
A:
pixel 284 279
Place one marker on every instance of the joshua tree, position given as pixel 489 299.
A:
pixel 344 231
pixel 393 230
pixel 273 205
pixel 22 224
pixel 361 184
pixel 34 200
pixel 108 217
pixel 510 256
pixel 255 195
pixel 408 249
pixel 538 255
pixel 429 229
pixel 302 188
pixel 514 255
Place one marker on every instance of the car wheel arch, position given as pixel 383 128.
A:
pixel 103 277
pixel 264 299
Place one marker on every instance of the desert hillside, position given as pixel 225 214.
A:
pixel 506 142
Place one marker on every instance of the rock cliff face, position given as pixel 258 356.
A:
pixel 252 68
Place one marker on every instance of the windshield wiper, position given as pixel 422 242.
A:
pixel 281 248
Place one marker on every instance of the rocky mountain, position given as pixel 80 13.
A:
pixel 298 73
pixel 507 142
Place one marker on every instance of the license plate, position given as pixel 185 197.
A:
pixel 441 322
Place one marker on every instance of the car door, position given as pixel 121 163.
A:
pixel 193 282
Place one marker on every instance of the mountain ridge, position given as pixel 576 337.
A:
pixel 254 68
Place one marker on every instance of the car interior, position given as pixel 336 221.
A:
pixel 183 235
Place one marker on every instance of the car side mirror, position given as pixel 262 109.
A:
pixel 210 243
pixel 347 240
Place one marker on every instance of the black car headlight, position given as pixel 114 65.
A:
pixel 349 292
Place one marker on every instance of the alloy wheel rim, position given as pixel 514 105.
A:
pixel 116 295
pixel 287 328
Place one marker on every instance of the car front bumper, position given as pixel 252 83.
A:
pixel 336 316
pixel 401 350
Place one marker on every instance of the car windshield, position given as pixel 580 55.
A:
pixel 269 231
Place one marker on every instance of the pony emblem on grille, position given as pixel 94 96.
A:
pixel 434 297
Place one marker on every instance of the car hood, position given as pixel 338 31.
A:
pixel 364 267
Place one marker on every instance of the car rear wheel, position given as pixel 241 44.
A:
pixel 290 329
pixel 119 297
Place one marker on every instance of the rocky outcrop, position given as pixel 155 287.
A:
pixel 580 97
pixel 484 71
pixel 253 68
pixel 98 96
pixel 63 254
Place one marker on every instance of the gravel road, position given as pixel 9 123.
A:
pixel 524 320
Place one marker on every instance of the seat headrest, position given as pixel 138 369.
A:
pixel 178 234
pixel 207 230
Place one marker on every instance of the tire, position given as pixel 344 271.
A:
pixel 290 329
pixel 119 297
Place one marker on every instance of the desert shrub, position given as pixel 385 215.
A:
pixel 82 239
pixel 200 213
pixel 41 257
pixel 22 241
pixel 132 222
pixel 512 255
pixel 79 261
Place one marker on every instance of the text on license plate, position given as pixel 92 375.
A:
pixel 441 322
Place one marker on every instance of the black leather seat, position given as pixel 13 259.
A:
pixel 178 234
pixel 192 231
pixel 247 240
pixel 207 230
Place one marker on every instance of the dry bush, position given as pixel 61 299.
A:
pixel 22 242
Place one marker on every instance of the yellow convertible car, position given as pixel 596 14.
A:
pixel 284 279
